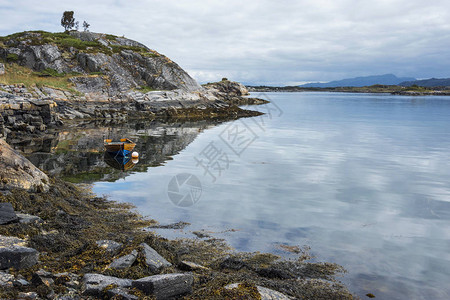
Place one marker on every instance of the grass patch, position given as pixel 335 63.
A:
pixel 49 72
pixel 145 89
pixel 110 37
pixel 16 74
pixel 141 50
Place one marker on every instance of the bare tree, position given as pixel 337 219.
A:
pixel 86 26
pixel 67 20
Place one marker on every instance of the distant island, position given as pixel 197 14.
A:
pixel 386 79
pixel 387 83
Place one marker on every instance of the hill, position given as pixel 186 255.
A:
pixel 46 78
pixel 387 79
pixel 432 82
pixel 123 64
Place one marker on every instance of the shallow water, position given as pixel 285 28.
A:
pixel 362 179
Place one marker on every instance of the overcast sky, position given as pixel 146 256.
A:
pixel 265 42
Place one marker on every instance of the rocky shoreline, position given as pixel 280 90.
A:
pixel 60 242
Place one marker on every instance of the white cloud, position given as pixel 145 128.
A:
pixel 266 41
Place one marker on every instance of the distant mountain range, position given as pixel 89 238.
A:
pixel 433 82
pixel 387 79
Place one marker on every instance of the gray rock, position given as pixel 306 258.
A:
pixel 7 214
pixel 18 172
pixel 14 253
pixel 121 293
pixel 27 296
pixel 20 282
pixel 94 284
pixel 6 279
pixel 42 277
pixel 2 69
pixel 165 286
pixel 153 260
pixel 27 219
pixel 265 293
pixel 125 261
pixel 109 246
pixel 68 279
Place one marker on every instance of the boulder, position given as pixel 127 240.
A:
pixel 7 214
pixel 165 286
pixel 265 293
pixel 2 69
pixel 125 261
pixel 18 172
pixel 153 259
pixel 94 284
pixel 109 246
pixel 14 253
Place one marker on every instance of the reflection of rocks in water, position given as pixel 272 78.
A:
pixel 76 153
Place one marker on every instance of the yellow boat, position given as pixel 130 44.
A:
pixel 122 147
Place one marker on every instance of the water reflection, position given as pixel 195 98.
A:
pixel 76 153
pixel 119 162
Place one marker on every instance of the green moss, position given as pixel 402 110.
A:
pixel 12 57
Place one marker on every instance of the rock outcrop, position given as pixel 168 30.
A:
pixel 232 92
pixel 123 63
pixel 18 172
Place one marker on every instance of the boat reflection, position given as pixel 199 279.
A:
pixel 119 162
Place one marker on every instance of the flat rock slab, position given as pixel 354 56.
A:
pixel 125 261
pixel 94 284
pixel 28 219
pixel 109 246
pixel 266 294
pixel 165 286
pixel 14 253
pixel 7 214
pixel 153 260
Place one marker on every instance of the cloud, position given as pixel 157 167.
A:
pixel 266 41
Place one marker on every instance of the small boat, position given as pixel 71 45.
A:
pixel 123 147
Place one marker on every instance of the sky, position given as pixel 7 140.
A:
pixel 284 42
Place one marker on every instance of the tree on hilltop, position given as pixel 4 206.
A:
pixel 67 20
pixel 86 26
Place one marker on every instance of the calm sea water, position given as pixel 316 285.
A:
pixel 362 179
